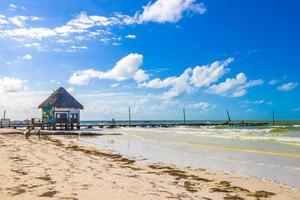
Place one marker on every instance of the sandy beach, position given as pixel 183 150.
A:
pixel 62 168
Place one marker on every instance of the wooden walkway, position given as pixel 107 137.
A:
pixel 152 125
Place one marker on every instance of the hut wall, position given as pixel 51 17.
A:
pixel 72 115
pixel 48 115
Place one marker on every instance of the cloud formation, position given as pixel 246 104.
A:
pixel 234 87
pixel 287 87
pixel 27 57
pixel 203 106
pixel 172 11
pixel 130 36
pixel 202 77
pixel 85 27
pixel 11 85
pixel 126 68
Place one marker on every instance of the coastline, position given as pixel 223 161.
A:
pixel 63 168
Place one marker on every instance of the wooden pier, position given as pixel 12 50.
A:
pixel 149 125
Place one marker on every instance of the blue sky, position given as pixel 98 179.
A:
pixel 156 57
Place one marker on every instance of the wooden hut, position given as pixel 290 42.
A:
pixel 60 110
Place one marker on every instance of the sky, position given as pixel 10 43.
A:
pixel 157 57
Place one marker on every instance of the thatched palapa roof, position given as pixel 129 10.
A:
pixel 61 99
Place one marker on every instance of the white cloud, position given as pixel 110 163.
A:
pixel 126 68
pixel 35 44
pixel 83 21
pixel 12 7
pixel 273 82
pixel 54 82
pixel 114 85
pixel 234 87
pixel 32 33
pixel 140 76
pixel 287 87
pixel 18 20
pixel 256 102
pixel 63 41
pixel 158 83
pixel 82 26
pixel 130 36
pixel 180 86
pixel 71 89
pixel 35 18
pixel 79 47
pixel 27 57
pixel 27 107
pixel 203 76
pixel 11 84
pixel 3 20
pixel 172 11
pixel 250 110
pixel 191 79
pixel 203 106
pixel 84 77
pixel 116 43
pixel 105 40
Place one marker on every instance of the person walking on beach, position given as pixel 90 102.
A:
pixel 27 133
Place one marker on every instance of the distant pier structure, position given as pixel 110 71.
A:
pixel 62 110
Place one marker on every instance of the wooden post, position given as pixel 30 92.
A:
pixel 183 115
pixel 229 119
pixel 273 118
pixel 129 115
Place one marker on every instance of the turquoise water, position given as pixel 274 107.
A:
pixel 277 122
pixel 270 152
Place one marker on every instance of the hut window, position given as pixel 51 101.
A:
pixel 61 116
pixel 74 116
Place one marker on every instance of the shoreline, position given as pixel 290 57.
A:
pixel 120 177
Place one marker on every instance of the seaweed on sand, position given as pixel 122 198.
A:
pixel 261 194
pixel 190 186
pixel 48 194
pixel 233 197
pixel 213 190
pixel 91 151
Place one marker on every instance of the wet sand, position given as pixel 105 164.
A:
pixel 62 168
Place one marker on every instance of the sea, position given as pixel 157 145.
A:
pixel 268 152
